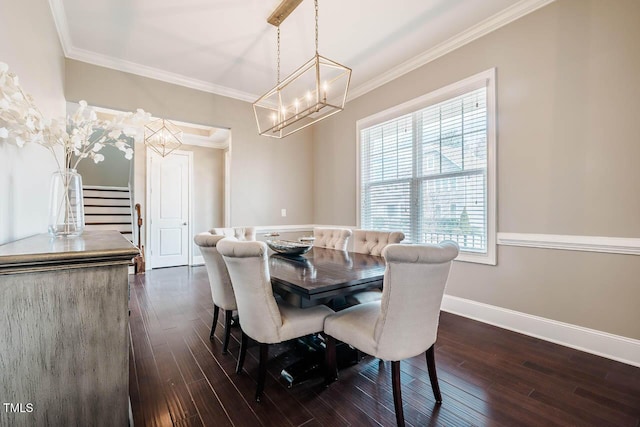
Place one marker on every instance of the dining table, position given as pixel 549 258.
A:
pixel 322 276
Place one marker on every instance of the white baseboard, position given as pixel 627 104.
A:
pixel 198 260
pixel 622 349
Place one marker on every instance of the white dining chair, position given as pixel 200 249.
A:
pixel 220 283
pixel 262 318
pixel 404 323
pixel 372 242
pixel 331 238
pixel 240 233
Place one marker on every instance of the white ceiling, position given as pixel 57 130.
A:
pixel 227 47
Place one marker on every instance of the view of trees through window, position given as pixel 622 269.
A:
pixel 425 173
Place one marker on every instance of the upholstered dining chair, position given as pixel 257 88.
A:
pixel 404 323
pixel 240 233
pixel 371 242
pixel 331 238
pixel 221 290
pixel 262 318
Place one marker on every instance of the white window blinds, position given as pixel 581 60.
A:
pixel 425 173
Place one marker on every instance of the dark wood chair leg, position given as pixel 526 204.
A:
pixel 431 365
pixel 262 370
pixel 243 353
pixel 397 392
pixel 228 316
pixel 216 311
pixel 331 370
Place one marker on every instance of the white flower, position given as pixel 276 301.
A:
pixel 130 132
pixel 77 140
pixel 81 134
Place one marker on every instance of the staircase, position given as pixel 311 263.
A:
pixel 108 208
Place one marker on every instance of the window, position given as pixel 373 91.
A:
pixel 427 168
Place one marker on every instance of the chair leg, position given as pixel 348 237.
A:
pixel 431 365
pixel 397 392
pixel 228 316
pixel 262 370
pixel 242 354
pixel 216 311
pixel 331 371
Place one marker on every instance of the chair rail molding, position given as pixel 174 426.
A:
pixel 612 245
pixel 615 347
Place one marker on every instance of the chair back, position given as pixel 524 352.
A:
pixel 372 242
pixel 240 233
pixel 414 281
pixel 221 289
pixel 331 238
pixel 249 271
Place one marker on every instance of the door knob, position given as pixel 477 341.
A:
pixel 184 223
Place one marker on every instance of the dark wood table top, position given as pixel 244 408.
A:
pixel 322 274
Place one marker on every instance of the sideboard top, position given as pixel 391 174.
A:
pixel 42 250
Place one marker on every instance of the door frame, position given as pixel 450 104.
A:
pixel 148 189
pixel 226 217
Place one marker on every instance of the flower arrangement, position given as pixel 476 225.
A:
pixel 82 135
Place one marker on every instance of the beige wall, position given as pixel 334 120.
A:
pixel 568 83
pixel 29 45
pixel 112 172
pixel 208 189
pixel 266 174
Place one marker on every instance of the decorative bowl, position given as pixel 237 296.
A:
pixel 287 247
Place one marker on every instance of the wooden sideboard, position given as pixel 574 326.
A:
pixel 64 330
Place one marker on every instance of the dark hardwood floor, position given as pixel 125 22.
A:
pixel 488 376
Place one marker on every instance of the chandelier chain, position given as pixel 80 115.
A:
pixel 316 6
pixel 278 54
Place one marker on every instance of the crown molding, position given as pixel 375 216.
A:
pixel 72 52
pixel 62 26
pixel 500 19
pixel 490 24
pixel 207 142
pixel 157 74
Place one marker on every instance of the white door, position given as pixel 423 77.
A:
pixel 169 203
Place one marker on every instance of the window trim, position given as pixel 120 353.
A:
pixel 486 78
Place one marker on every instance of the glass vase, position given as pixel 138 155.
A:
pixel 66 207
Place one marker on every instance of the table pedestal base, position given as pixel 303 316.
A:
pixel 312 363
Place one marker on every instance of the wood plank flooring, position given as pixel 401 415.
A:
pixel 488 376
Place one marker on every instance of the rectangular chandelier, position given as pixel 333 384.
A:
pixel 315 91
